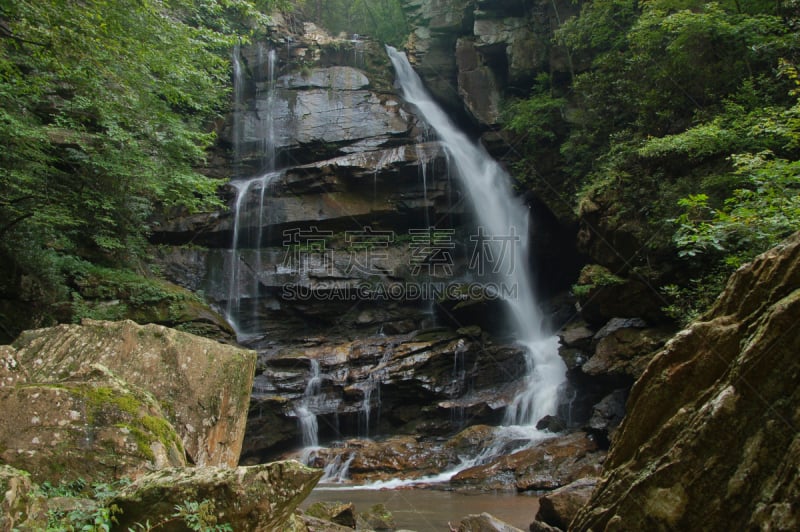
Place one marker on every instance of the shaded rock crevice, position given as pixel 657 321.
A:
pixel 675 461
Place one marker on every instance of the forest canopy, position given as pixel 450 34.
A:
pixel 105 110
pixel 681 118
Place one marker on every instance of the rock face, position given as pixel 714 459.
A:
pixel 711 441
pixel 425 383
pixel 473 52
pixel 546 466
pixel 82 394
pixel 259 498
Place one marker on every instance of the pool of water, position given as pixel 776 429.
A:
pixel 425 510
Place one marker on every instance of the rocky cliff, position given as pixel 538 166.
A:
pixel 711 437
pixel 473 53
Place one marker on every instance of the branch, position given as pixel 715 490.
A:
pixel 12 223
pixel 6 32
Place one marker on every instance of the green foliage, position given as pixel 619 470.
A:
pixel 198 516
pixel 682 125
pixel 98 514
pixel 594 276
pixel 95 514
pixel 105 112
pixel 382 20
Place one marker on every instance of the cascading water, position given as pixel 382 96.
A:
pixel 306 417
pixel 244 213
pixel 499 214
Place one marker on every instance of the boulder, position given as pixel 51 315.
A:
pixel 710 440
pixel 204 385
pixel 376 518
pixel 484 522
pixel 93 426
pixel 623 353
pixel 603 295
pixel 340 513
pixel 607 415
pixel 558 507
pixel 577 334
pixel 257 498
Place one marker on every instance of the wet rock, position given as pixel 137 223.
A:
pixel 267 428
pixel 477 84
pixel 393 458
pixel 387 384
pixel 675 462
pixel 607 415
pixel 615 324
pixel 624 352
pixel 205 385
pixel 548 465
pixel 473 438
pixel 558 507
pixel 573 358
pixel 551 423
pixel 259 498
pixel 485 522
pixel 541 526
pixel 576 334
pixel 341 513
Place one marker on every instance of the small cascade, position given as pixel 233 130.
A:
pixel 234 266
pixel 248 215
pixel 358 50
pixel 306 417
pixel 423 170
pixel 337 470
pixel 458 384
pixel 371 387
pixel 268 61
pixel 503 219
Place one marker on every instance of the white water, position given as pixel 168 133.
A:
pixel 306 417
pixel 233 268
pixel 500 214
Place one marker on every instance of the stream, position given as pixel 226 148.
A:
pixel 425 510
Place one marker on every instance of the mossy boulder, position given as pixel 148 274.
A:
pixel 93 426
pixel 201 386
pixel 257 498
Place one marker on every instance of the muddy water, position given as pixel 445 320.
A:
pixel 426 510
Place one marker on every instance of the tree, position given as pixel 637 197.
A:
pixel 105 108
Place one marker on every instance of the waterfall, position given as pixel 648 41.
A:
pixel 237 288
pixel 266 116
pixel 243 278
pixel 237 131
pixel 306 417
pixel 499 214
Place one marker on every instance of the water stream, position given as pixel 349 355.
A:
pixel 503 222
